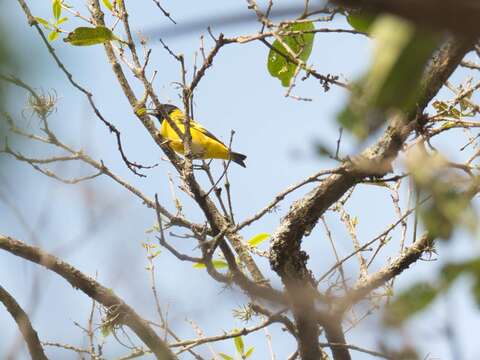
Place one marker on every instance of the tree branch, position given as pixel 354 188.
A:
pixel 105 296
pixel 286 256
pixel 381 277
pixel 21 318
pixel 460 16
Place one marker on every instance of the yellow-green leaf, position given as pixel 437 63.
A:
pixel 44 22
pixel 86 36
pixel 239 345
pixel 57 8
pixel 108 4
pixel 361 20
pixel 217 264
pixel 140 111
pixel 258 239
pixel 106 329
pixel 53 35
pixel 444 109
pixel 226 357
pixel 249 352
pixel 61 20
pixel 280 63
pixel 392 85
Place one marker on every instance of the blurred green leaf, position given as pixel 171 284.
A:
pixel 249 352
pixel 86 36
pixel 108 5
pixel 449 205
pixel 409 302
pixel 452 271
pixel 406 353
pixel 61 20
pixel 226 357
pixel 301 44
pixel 217 264
pixel 393 82
pixel 106 330
pixel 449 208
pixel 258 239
pixel 420 295
pixel 53 35
pixel 361 20
pixel 239 345
pixel 443 108
pixel 43 22
pixel 476 291
pixel 57 8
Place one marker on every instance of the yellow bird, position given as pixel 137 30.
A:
pixel 204 144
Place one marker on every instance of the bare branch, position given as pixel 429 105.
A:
pixel 33 22
pixel 93 289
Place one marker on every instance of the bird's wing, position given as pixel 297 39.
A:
pixel 204 131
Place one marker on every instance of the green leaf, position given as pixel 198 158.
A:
pixel 408 303
pixel 44 22
pixel 449 206
pixel 361 20
pixel 249 352
pixel 280 63
pixel 393 82
pixel 108 5
pixel 140 111
pixel 86 36
pixel 239 345
pixel 106 330
pixel 476 291
pixel 53 35
pixel 217 264
pixel 450 272
pixel 226 357
pixel 443 108
pixel 400 57
pixel 61 20
pixel 258 239
pixel 57 8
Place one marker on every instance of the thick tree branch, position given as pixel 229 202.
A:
pixel 381 277
pixel 28 332
pixel 460 16
pixel 376 160
pixel 286 256
pixel 334 334
pixel 105 296
pixel 214 217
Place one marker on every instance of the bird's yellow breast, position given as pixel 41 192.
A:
pixel 204 144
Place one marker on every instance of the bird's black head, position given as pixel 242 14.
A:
pixel 164 110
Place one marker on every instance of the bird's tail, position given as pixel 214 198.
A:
pixel 238 158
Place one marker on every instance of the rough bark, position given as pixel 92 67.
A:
pixel 103 295
pixel 286 256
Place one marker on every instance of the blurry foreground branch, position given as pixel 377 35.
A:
pixel 125 314
pixel 24 325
